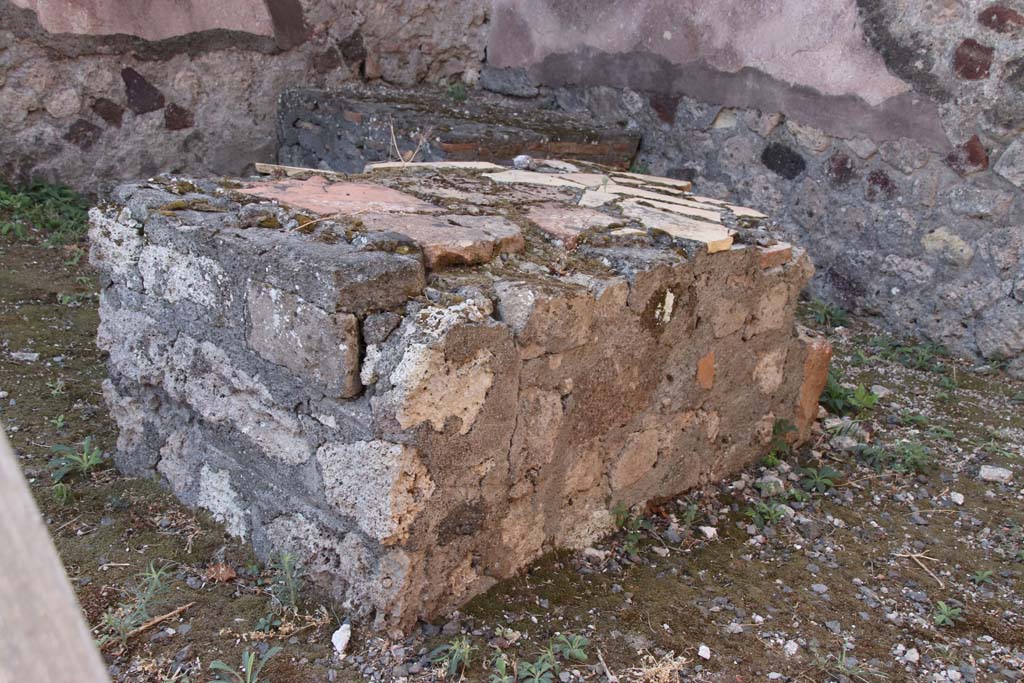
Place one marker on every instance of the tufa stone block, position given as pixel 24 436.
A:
pixel 422 378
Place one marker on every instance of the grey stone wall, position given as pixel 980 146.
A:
pixel 124 97
pixel 898 160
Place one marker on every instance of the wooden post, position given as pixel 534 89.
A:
pixel 43 636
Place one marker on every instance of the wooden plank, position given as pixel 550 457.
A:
pixel 43 636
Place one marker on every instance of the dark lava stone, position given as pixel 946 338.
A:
pixel 783 160
pixel 142 95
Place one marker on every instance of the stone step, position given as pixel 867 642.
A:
pixel 344 130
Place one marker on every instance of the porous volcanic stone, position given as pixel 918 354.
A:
pixel 421 378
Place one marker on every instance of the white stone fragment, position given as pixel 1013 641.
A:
pixel 1000 475
pixel 532 178
pixel 340 638
pixel 412 166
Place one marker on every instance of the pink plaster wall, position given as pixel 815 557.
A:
pixel 150 19
pixel 813 43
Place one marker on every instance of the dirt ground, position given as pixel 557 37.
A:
pixel 830 564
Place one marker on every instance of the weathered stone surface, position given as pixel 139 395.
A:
pixel 319 346
pixel 83 133
pixel 817 353
pixel 970 157
pixel 782 160
pixel 177 117
pixel 567 224
pixel 775 255
pixel 346 129
pixel 381 485
pixel 972 60
pixel 706 371
pixel 1001 18
pixel 514 82
pixel 324 197
pixel 948 246
pixel 143 97
pixel 452 240
pixel 416 418
pixel 1011 163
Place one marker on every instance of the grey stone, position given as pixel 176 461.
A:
pixel 509 81
pixel 1010 164
pixel 377 326
pixel 1000 475
pixel 320 347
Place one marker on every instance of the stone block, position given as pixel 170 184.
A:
pixel 320 347
pixel 413 381
pixel 344 130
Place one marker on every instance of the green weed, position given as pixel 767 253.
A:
pixel 71 461
pixel 982 576
pixel 55 211
pixel 828 315
pixel 947 615
pixel 818 480
pixel 458 92
pixel 501 670
pixel 764 514
pixel 836 398
pixel 571 647
pixel 454 657
pixel 911 355
pixel 249 671
pixel 118 622
pixel 61 493
pixel 779 448
pixel 287 581
pixel 268 622
pixel 540 671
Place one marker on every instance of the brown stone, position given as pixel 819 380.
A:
pixel 970 157
pixel 819 353
pixel 840 169
pixel 664 105
pixel 143 96
pixel 109 110
pixel 83 134
pixel 1001 19
pixel 972 60
pixel 352 116
pixel 178 118
pixel 880 185
pixel 706 371
pixel 452 240
pixel 568 223
pixel 320 195
pixel 775 255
